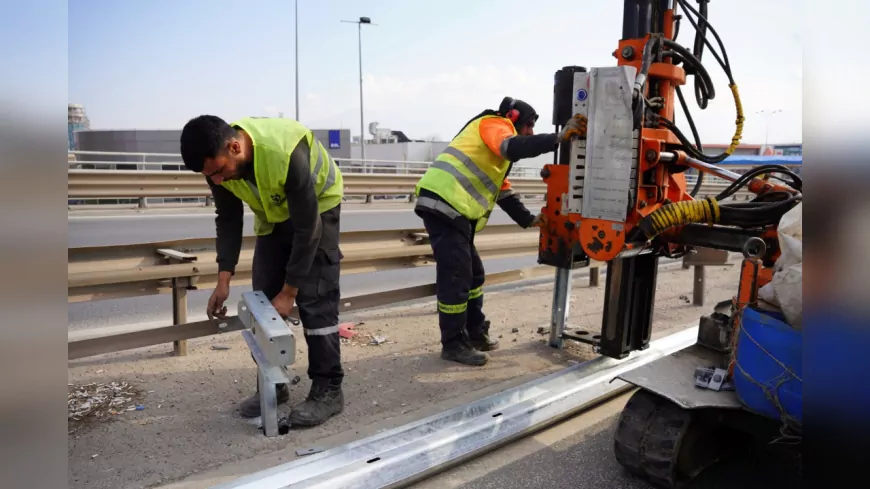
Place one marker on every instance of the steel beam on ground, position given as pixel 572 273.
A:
pixel 410 453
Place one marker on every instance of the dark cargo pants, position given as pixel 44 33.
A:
pixel 318 298
pixel 459 276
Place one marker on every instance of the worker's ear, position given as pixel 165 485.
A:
pixel 234 146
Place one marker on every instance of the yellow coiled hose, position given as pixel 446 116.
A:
pixel 680 214
pixel 738 132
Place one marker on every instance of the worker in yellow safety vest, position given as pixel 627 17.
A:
pixel 294 188
pixel 455 198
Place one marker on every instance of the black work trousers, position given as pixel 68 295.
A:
pixel 459 277
pixel 319 296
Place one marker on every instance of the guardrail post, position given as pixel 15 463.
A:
pixel 209 201
pixel 698 289
pixel 179 314
pixel 143 203
pixel 703 257
pixel 593 276
pixel 180 286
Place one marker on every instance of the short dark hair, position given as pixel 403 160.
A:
pixel 203 137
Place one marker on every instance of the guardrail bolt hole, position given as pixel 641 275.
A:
pixel 496 415
pixel 283 352
pixel 373 460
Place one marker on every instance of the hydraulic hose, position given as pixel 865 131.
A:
pixel 679 214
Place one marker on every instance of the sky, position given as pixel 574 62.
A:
pixel 428 66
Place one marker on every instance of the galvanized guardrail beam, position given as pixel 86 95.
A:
pixel 420 449
pixel 85 184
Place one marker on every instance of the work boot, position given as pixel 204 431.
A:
pixel 463 352
pixel 481 341
pixel 250 407
pixel 324 400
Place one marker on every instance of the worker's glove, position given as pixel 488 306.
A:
pixel 540 220
pixel 576 127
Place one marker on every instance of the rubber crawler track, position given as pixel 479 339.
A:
pixel 648 438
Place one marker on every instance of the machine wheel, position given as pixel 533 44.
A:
pixel 662 442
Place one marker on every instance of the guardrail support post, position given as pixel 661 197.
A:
pixel 209 201
pixel 179 314
pixel 180 285
pixel 561 306
pixel 593 276
pixel 698 288
pixel 700 258
pixel 143 203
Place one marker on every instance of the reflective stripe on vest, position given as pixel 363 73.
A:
pixel 330 176
pixel 467 174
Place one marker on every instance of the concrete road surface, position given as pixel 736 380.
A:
pixel 578 454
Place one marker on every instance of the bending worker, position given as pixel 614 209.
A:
pixel 294 189
pixel 455 198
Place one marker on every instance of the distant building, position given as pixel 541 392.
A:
pixel 166 143
pixel 77 120
pixel 784 150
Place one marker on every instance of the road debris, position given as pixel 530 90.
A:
pixel 377 340
pixel 98 401
pixel 345 330
pixel 220 347
pixel 301 452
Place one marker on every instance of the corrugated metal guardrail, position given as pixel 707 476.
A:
pixel 83 184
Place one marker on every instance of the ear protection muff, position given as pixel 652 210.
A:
pixel 512 113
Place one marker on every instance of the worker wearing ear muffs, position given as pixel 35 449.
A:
pixel 455 198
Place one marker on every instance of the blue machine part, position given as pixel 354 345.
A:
pixel 768 372
pixel 755 160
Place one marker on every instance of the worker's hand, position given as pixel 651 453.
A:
pixel 540 220
pixel 216 307
pixel 576 127
pixel 284 301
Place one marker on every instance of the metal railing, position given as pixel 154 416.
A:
pixel 105 160
pixel 175 267
pixel 109 272
pixel 140 185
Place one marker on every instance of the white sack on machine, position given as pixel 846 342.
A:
pixel 785 290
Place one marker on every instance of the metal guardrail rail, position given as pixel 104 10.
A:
pixel 83 184
pixel 135 184
pixel 109 272
pixel 157 175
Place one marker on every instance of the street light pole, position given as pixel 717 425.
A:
pixel 296 15
pixel 362 136
pixel 767 114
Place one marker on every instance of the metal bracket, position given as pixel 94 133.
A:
pixel 273 335
pixel 268 378
pixel 273 347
